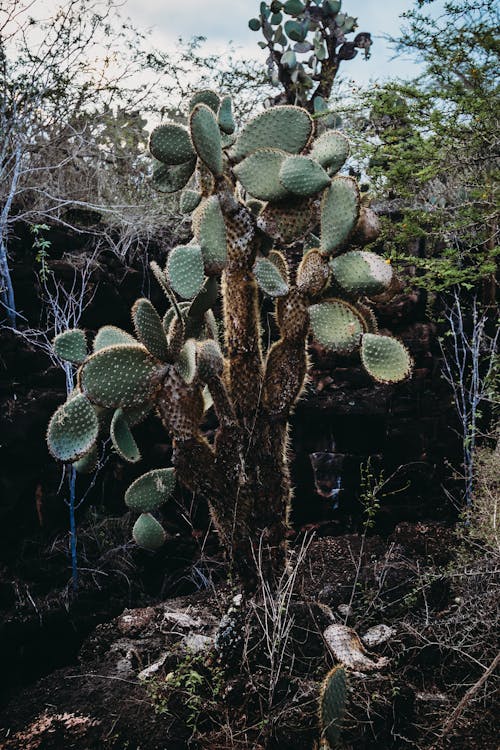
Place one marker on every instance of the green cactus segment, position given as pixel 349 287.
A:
pixel 301 175
pixel 73 429
pixel 111 335
pixel 186 362
pixel 205 135
pixel 148 532
pixel 120 375
pixel 269 278
pixel 204 300
pixel 333 699
pixel 209 360
pixel 336 326
pixel 205 96
pixel 149 329
pixel 290 220
pixel 71 346
pixel 87 464
pixel 122 438
pixel 331 150
pixel 170 144
pixel 293 7
pixel 170 178
pixel 281 263
pixel 150 490
pixel 211 235
pixel 225 116
pixel 286 127
pixel 385 358
pixel 185 270
pixel 189 200
pixel 259 174
pixel 137 414
pixel 361 272
pixel 339 213
pixel 171 314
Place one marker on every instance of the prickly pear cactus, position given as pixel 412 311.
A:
pixel 332 704
pixel 307 41
pixel 255 195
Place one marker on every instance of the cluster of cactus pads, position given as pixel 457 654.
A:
pixel 307 42
pixel 254 196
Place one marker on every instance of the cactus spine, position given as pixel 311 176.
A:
pixel 177 365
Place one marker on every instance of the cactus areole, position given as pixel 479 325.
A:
pixel 246 218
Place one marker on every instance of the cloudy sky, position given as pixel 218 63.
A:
pixel 223 20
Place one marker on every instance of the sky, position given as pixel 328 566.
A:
pixel 223 20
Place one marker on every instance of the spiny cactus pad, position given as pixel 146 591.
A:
pixel 148 532
pixel 73 429
pixel 189 200
pixel 186 361
pixel 361 272
pixel 333 696
pixel 170 178
pixel 289 220
pixel 120 375
pixel 301 175
pixel 205 135
pixel 122 438
pixel 210 361
pixel 150 490
pixel 185 271
pixel 385 358
pixel 225 116
pixel 287 128
pixel 335 325
pixel 71 346
pixel 205 96
pixel 170 144
pixel 87 464
pixel 313 272
pixel 259 174
pixel 281 264
pixel 339 213
pixel 269 278
pixel 149 329
pixel 111 335
pixel 210 233
pixel 331 150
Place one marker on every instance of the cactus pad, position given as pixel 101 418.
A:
pixel 111 335
pixel 210 233
pixel 122 439
pixel 205 135
pixel 73 429
pixel 149 329
pixel 120 375
pixel 362 272
pixel 170 144
pixel 210 362
pixel 259 174
pixel 170 178
pixel 185 270
pixel 331 150
pixel 290 220
pixel 269 278
pixel 281 264
pixel 385 358
pixel 225 116
pixel 339 213
pixel 205 96
pixel 287 128
pixel 301 175
pixel 313 272
pixel 189 200
pixel 333 696
pixel 186 361
pixel 71 346
pixel 150 490
pixel 336 325
pixel 87 464
pixel 148 532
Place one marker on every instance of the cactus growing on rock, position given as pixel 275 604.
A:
pixel 177 365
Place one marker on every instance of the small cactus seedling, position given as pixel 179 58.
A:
pixel 255 196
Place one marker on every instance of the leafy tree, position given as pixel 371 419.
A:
pixel 434 156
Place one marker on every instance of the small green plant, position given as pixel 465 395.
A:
pixel 41 245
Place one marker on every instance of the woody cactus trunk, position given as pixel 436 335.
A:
pixel 253 196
